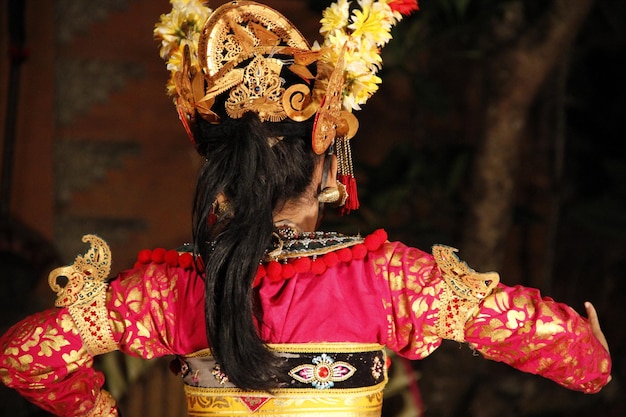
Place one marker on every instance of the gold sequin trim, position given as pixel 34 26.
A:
pixel 463 292
pixel 85 294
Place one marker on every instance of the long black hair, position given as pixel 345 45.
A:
pixel 255 175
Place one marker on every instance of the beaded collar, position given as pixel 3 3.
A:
pixel 294 252
pixel 290 242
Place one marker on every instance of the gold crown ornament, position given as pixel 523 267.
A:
pixel 247 57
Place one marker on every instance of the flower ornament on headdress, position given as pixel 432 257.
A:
pixel 364 30
pixel 179 33
pixel 246 57
pixel 355 39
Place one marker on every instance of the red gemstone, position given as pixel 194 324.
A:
pixel 323 372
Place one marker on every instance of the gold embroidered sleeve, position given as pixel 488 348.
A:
pixel 535 334
pixel 463 291
pixel 44 359
pixel 84 295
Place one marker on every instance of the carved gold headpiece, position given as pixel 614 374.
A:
pixel 244 49
pixel 247 57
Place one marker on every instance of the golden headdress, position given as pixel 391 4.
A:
pixel 237 59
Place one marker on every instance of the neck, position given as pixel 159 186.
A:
pixel 302 216
pixel 304 211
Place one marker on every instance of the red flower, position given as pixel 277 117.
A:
pixel 405 7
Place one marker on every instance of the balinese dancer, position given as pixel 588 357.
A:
pixel 266 314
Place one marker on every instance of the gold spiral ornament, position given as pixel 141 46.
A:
pixel 298 103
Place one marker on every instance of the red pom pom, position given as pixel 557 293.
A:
pixel 260 273
pixel 158 255
pixel 330 259
pixel 138 265
pixel 302 265
pixel 288 271
pixel 359 251
pixel 274 270
pixel 318 267
pixel 382 235
pixel 144 256
pixel 185 260
pixel 344 255
pixel 171 257
pixel 372 242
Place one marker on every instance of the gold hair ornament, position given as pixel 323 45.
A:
pixel 203 49
pixel 243 49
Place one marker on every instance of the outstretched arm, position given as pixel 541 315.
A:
pixel 439 296
pixel 48 357
pixel 535 334
pixel 44 358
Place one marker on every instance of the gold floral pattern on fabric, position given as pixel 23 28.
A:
pixel 45 360
pixel 142 310
pixel 411 301
pixel 156 310
pixel 517 326
pixel 464 290
pixel 85 292
pixel 37 340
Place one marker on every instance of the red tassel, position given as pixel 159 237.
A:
pixel 352 202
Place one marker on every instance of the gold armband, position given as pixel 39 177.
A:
pixel 84 295
pixel 464 289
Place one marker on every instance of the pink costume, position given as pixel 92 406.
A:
pixel 357 292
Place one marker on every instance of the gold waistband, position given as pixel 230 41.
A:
pixel 352 405
pixel 307 400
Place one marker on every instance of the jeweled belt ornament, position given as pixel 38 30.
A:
pixel 338 379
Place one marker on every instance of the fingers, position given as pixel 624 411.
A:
pixel 595 324
pixel 592 314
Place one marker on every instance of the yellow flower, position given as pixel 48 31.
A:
pixel 179 28
pixel 363 87
pixel 335 17
pixel 175 62
pixel 367 58
pixel 365 31
pixel 373 24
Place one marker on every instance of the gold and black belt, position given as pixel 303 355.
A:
pixel 322 379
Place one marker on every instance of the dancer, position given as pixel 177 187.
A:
pixel 264 313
